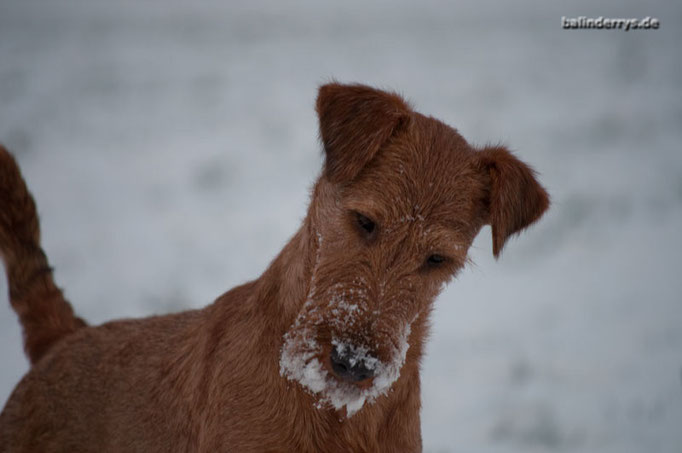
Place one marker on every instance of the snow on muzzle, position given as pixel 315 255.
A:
pixel 341 374
pixel 351 363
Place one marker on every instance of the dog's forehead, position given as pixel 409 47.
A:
pixel 429 168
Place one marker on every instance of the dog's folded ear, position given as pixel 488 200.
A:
pixel 355 120
pixel 515 200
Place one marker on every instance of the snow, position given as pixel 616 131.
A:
pixel 300 362
pixel 171 149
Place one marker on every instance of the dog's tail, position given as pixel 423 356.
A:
pixel 44 313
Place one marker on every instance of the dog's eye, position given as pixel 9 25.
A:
pixel 366 225
pixel 435 260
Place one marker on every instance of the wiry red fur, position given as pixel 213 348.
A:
pixel 42 309
pixel 516 198
pixel 210 380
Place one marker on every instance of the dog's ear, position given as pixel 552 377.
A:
pixel 515 200
pixel 355 120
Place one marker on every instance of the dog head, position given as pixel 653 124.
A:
pixel 399 202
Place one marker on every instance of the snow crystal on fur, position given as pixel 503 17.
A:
pixel 299 362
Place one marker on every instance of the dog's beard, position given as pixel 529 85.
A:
pixel 301 354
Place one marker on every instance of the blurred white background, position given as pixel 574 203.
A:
pixel 170 147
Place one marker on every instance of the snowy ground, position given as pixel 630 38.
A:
pixel 170 148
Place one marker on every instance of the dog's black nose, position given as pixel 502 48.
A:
pixel 348 369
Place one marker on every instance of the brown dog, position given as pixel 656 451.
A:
pixel 319 354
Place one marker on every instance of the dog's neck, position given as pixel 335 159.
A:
pixel 283 288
